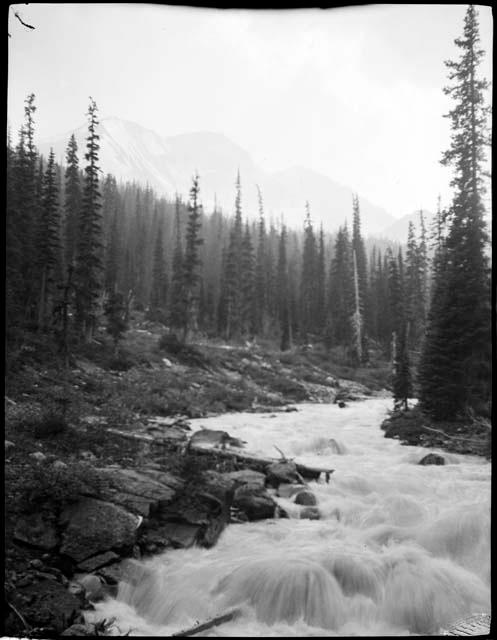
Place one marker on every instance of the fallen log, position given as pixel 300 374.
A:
pixel 214 622
pixel 252 461
pixel 446 435
pixel 309 473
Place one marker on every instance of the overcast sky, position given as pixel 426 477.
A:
pixel 354 93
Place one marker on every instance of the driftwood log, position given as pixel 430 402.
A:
pixel 213 622
pixel 251 461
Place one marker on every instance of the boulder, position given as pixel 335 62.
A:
pixel 282 472
pixel 36 531
pixel 9 445
pixel 94 526
pixel 310 513
pixel 180 535
pixel 39 456
pixel 93 586
pixel 255 502
pixel 215 438
pixel 246 476
pixel 138 492
pixel 100 560
pixel 58 464
pixel 432 458
pixel 306 498
pixel 220 485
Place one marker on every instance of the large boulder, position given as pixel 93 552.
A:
pixel 432 458
pixel 140 493
pixel 247 476
pixel 98 561
pixel 254 501
pixel 198 507
pixel 282 472
pixel 36 531
pixel 179 534
pixel 215 438
pixel 306 498
pixel 94 526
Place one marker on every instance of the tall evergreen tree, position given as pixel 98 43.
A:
pixel 341 288
pixel 176 300
pixel 455 371
pixel 233 277
pixel 247 285
pixel 28 209
pixel 283 294
pixel 49 247
pixel 89 263
pixel 308 286
pixel 320 284
pixel 72 200
pixel 191 264
pixel 261 276
pixel 362 276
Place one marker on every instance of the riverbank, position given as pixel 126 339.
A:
pixel 69 462
pixel 101 464
pixel 468 436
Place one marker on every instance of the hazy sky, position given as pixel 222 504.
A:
pixel 354 93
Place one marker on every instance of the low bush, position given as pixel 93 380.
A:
pixel 52 423
pixel 41 483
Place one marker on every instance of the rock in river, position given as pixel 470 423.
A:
pixel 94 526
pixel 432 458
pixel 306 498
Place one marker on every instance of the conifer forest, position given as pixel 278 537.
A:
pixel 84 249
pixel 151 335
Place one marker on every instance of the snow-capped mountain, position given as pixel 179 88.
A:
pixel 132 152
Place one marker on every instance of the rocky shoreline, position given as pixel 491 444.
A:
pixel 81 555
pixel 121 477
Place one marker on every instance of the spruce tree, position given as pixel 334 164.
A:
pixel 341 289
pixel 362 278
pixel 49 246
pixel 320 284
pixel 283 301
pixel 455 371
pixel 233 277
pixel 402 383
pixel 28 210
pixel 192 262
pixel 261 276
pixel 72 201
pixel 308 286
pixel 247 285
pixel 176 300
pixel 89 263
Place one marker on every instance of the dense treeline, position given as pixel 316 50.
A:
pixel 81 247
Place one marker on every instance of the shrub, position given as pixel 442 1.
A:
pixel 40 484
pixel 51 424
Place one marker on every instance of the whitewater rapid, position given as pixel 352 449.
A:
pixel 400 549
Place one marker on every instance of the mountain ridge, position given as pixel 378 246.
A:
pixel 132 152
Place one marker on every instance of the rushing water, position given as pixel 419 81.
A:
pixel 400 548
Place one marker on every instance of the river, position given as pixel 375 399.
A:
pixel 400 549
